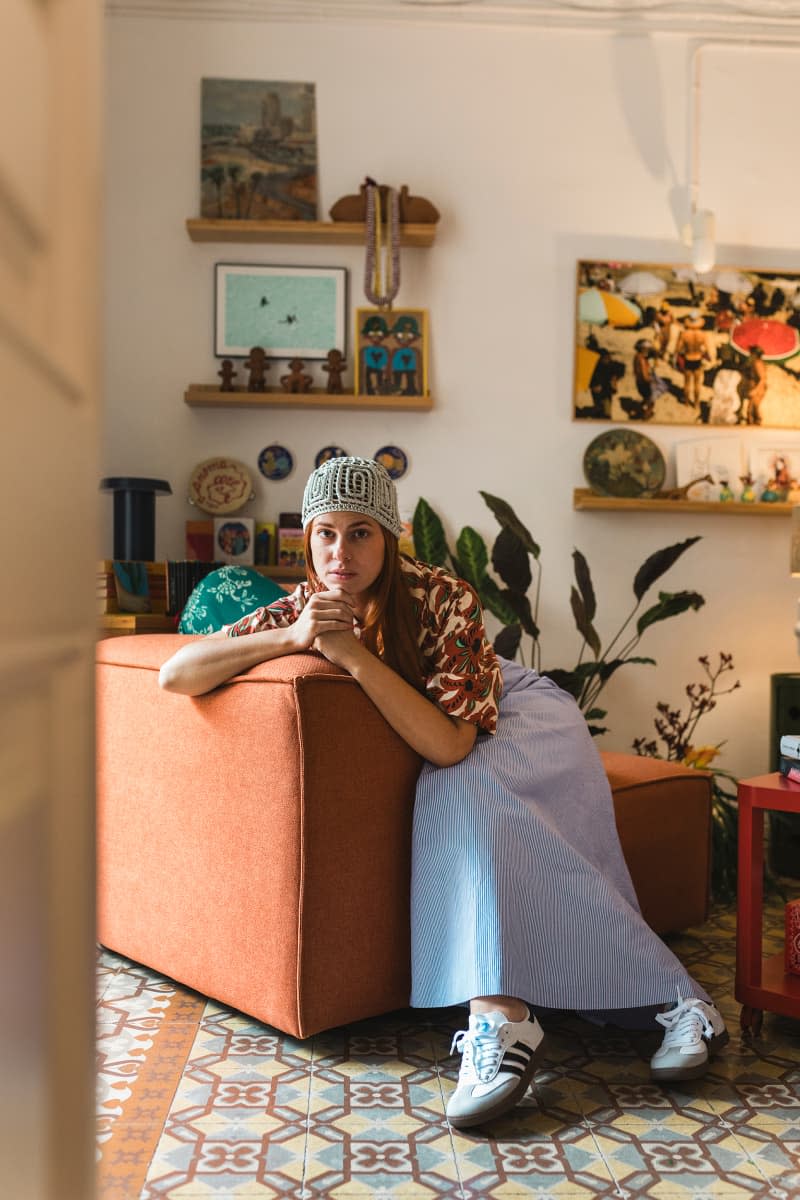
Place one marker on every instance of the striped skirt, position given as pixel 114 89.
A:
pixel 519 886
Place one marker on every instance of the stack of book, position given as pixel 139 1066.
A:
pixel 789 764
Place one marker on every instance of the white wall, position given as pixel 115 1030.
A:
pixel 539 148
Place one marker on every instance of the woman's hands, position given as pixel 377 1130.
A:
pixel 323 613
pixel 326 625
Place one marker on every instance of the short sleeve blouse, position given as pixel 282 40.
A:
pixel 463 675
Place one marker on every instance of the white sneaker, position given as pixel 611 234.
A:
pixel 498 1058
pixel 694 1030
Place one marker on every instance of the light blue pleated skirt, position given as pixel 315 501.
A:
pixel 519 886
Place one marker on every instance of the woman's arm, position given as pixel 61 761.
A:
pixel 201 666
pixel 441 739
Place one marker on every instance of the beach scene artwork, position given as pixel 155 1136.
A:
pixel 258 150
pixel 665 345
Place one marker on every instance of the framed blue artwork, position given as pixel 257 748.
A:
pixel 291 312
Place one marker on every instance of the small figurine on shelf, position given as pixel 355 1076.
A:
pixel 296 380
pixel 258 366
pixel 771 493
pixel 725 492
pixel 227 374
pixel 334 365
pixel 748 495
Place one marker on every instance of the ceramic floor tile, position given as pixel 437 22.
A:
pixel 195 1100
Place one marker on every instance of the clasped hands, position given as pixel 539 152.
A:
pixel 326 625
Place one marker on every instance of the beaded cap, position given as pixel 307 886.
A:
pixel 352 485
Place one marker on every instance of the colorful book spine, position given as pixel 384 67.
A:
pixel 790 746
pixel 790 769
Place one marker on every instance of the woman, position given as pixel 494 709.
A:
pixel 520 894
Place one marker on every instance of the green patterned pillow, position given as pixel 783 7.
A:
pixel 225 595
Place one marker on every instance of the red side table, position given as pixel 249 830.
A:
pixel 761 983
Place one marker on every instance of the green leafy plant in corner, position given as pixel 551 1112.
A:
pixel 515 577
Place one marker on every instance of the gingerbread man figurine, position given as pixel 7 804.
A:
pixel 334 365
pixel 296 380
pixel 227 374
pixel 258 366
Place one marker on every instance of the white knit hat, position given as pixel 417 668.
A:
pixel 352 485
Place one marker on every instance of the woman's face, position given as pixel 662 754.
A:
pixel 348 551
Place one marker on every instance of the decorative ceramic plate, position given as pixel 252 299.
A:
pixel 329 452
pixel 394 459
pixel 220 485
pixel 624 463
pixel 275 462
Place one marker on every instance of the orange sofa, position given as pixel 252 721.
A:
pixel 254 843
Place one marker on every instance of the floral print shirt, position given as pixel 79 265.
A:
pixel 463 675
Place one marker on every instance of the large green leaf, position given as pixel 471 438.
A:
pixel 473 557
pixel 582 622
pixel 430 543
pixel 510 560
pixel 522 607
pixel 654 567
pixel 509 520
pixel 497 601
pixel 670 604
pixel 507 641
pixel 583 578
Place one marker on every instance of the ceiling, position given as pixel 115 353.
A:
pixel 756 20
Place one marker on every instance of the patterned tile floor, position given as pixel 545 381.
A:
pixel 195 1100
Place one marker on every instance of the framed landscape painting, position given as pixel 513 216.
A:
pixel 664 345
pixel 291 312
pixel 258 156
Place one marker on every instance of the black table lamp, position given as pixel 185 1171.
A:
pixel 134 516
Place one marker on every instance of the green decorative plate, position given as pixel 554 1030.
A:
pixel 624 463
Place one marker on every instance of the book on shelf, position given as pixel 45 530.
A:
pixel 790 769
pixel 790 746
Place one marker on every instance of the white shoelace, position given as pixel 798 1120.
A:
pixel 481 1053
pixel 686 1023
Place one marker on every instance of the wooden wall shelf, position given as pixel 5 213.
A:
pixel 347 233
pixel 201 395
pixel 584 499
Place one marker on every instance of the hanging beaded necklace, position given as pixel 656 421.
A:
pixel 372 267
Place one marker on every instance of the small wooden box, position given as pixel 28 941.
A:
pixel 106 592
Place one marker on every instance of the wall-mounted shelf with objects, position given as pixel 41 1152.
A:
pixel 343 233
pixel 200 395
pixel 584 499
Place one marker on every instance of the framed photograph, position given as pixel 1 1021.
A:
pixel 661 344
pixel 391 352
pixel 710 464
pixel 291 312
pixel 258 158
pixel 776 469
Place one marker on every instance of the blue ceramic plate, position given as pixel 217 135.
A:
pixel 329 452
pixel 394 459
pixel 275 462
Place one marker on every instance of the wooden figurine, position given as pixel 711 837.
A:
pixel 227 374
pixel 258 366
pixel 334 365
pixel 296 380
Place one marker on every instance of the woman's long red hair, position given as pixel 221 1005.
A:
pixel 390 626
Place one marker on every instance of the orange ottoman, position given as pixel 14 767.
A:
pixel 255 843
pixel 663 812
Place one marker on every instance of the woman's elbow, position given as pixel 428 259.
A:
pixel 169 678
pixel 458 748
